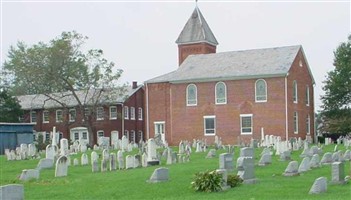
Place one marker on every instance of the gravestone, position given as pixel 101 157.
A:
pixel 94 157
pixel 266 159
pixel 247 152
pixel 327 159
pixel 105 154
pixel 32 150
pixel 64 147
pixel 84 159
pixel 12 192
pixel 75 162
pixel 83 148
pixel 28 174
pixel 285 156
pixel 181 148
pixel 113 160
pixel 336 157
pixel 292 169
pixel 338 173
pixel 129 162
pixel 61 166
pixel 304 165
pixel 198 147
pixel 124 143
pixel 137 161
pixel 159 175
pixel 120 159
pixel 151 153
pixel 245 166
pixel 224 175
pixel 211 153
pixel 305 152
pixel 347 155
pixel 315 163
pixel 226 161
pixel 144 160
pixel 95 166
pixel 169 156
pixel 319 186
pixel 50 152
pixel 45 163
pixel 266 150
pixel 104 164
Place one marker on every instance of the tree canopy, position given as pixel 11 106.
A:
pixel 336 109
pixel 59 69
pixel 10 110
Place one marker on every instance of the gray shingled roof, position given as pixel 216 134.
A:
pixel 40 101
pixel 196 30
pixel 256 63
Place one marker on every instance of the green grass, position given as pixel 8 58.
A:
pixel 81 183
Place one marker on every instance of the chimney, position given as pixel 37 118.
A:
pixel 135 84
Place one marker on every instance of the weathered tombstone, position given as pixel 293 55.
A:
pixel 292 169
pixel 245 166
pixel 104 164
pixel 94 157
pixel 113 162
pixel 84 159
pixel 169 156
pixel 45 163
pixel 326 159
pixel 336 157
pixel 95 166
pixel 12 192
pixel 319 186
pixel 75 162
pixel 226 161
pixel 285 156
pixel 198 147
pixel 159 175
pixel 61 166
pixel 211 153
pixel 181 147
pixel 124 143
pixel 28 174
pixel 314 150
pixel 338 173
pixel 129 162
pixel 105 154
pixel 144 160
pixel 32 150
pixel 224 175
pixel 347 155
pixel 266 150
pixel 83 148
pixel 50 152
pixel 315 163
pixel 64 147
pixel 304 165
pixel 266 159
pixel 305 152
pixel 151 153
pixel 120 159
pixel 137 161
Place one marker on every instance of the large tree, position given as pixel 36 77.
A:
pixel 10 109
pixel 336 113
pixel 62 70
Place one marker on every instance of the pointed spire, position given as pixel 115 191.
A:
pixel 196 30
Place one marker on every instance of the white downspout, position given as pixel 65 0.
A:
pixel 147 112
pixel 122 120
pixel 286 107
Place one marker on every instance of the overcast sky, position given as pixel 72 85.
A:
pixel 139 36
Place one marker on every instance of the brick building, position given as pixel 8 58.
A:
pixel 118 113
pixel 235 95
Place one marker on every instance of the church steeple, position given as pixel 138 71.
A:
pixel 196 37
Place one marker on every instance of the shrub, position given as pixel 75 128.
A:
pixel 209 181
pixel 234 180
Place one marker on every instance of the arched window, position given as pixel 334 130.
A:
pixel 260 91
pixel 221 93
pixel 295 92
pixel 191 95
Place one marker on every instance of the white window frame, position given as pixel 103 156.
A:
pixel 140 113
pixel 76 136
pixel 100 113
pixel 113 114
pixel 132 136
pixel 308 125
pixel 46 113
pixel 132 113
pixel 126 112
pixel 86 112
pixel 296 122
pixel 98 133
pixel 241 124
pixel 59 113
pixel 187 95
pixel 295 96
pixel 71 119
pixel 261 96
pixel 307 95
pixel 214 124
pixel 33 117
pixel 160 125
pixel 225 94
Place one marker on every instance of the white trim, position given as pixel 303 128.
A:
pixel 241 128
pixel 187 93
pixel 295 97
pixel 44 121
pixel 266 91
pixel 99 131
pixel 214 124
pixel 225 93
pixel 98 117
pixel 33 114
pixel 286 109
pixel 58 120
pixel 111 118
pixel 132 113
pixel 70 119
pixel 140 113
pixel 125 112
pixel 147 113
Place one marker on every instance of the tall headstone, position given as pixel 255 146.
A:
pixel 104 164
pixel 245 166
pixel 226 161
pixel 50 152
pixel 120 159
pixel 151 153
pixel 61 166
pixel 84 159
pixel 124 143
pixel 113 162
pixel 319 186
pixel 64 147
pixel 32 150
pixel 169 156
pixel 94 157
pixel 338 173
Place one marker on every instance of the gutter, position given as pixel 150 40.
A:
pixel 147 112
pixel 286 107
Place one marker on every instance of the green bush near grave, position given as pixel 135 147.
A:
pixel 234 180
pixel 208 181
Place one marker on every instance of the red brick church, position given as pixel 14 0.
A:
pixel 234 95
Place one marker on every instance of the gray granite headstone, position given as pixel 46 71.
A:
pixel 292 169
pixel 246 171
pixel 211 153
pixel 247 152
pixel 113 162
pixel 266 159
pixel 28 174
pixel 319 186
pixel 104 164
pixel 226 161
pixel 338 173
pixel 285 156
pixel 224 174
pixel 45 163
pixel 327 158
pixel 12 192
pixel 304 165
pixel 129 162
pixel 95 166
pixel 315 163
pixel 159 175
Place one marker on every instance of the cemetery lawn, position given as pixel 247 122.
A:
pixel 81 183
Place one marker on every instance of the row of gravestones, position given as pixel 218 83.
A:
pixel 24 151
